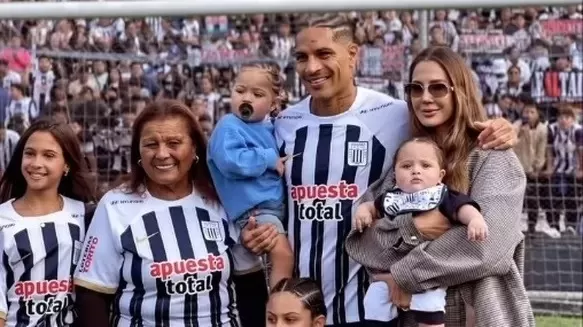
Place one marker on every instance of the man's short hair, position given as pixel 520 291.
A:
pixel 342 26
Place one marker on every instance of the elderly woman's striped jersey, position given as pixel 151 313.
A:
pixel 167 262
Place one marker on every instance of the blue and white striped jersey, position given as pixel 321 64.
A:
pixel 167 262
pixel 335 159
pixel 565 146
pixel 37 264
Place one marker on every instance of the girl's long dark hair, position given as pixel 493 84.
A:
pixel 76 185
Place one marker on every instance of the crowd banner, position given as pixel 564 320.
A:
pixel 484 41
pixel 558 29
pixel 193 58
pixel 223 56
pixel 381 66
pixel 378 61
pixel 554 86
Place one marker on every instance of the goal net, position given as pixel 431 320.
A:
pixel 99 73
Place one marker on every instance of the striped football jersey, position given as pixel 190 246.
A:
pixel 333 161
pixel 38 260
pixel 168 263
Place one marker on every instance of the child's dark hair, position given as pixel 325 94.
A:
pixel 426 140
pixel 274 72
pixel 567 112
pixel 76 184
pixel 307 291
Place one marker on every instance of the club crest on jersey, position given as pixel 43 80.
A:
pixel 357 153
pixel 211 230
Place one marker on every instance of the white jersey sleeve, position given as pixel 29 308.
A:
pixel 98 268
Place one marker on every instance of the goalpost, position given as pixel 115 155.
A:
pixel 34 10
pixel 546 262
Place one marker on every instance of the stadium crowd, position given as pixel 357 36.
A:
pixel 97 74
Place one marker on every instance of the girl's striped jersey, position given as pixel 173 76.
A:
pixel 333 161
pixel 37 264
pixel 167 262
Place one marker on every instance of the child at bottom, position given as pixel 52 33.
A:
pixel 296 302
pixel 419 171
pixel 244 161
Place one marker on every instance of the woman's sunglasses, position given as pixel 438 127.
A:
pixel 437 90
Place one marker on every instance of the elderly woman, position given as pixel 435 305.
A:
pixel 157 251
pixel 416 254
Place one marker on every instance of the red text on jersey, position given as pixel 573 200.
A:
pixel 340 191
pixel 26 289
pixel 88 254
pixel 166 269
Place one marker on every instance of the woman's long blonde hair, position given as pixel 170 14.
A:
pixel 461 139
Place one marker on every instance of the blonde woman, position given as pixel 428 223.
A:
pixel 481 277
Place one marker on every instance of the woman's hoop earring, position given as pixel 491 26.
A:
pixel 139 162
pixel 195 159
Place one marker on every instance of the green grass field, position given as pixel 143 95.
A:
pixel 550 321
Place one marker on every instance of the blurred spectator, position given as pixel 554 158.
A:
pixel 205 123
pixel 8 140
pixel 531 151
pixel 8 76
pixel 4 101
pixel 42 81
pixel 17 56
pixel 565 143
pixel 514 86
pixel 210 96
pixel 448 34
pixel 532 140
pixel 513 59
pixel 20 106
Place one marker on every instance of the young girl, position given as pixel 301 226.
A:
pixel 296 302
pixel 419 171
pixel 42 225
pixel 244 160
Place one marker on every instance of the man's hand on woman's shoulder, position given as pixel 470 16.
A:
pixel 497 134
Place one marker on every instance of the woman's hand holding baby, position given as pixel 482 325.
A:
pixel 431 224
